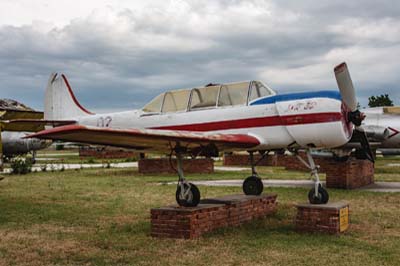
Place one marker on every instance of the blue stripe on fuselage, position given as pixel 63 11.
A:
pixel 298 96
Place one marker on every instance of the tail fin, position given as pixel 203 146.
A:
pixel 60 102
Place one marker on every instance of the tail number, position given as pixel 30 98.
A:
pixel 104 121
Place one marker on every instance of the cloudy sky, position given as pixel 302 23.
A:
pixel 118 54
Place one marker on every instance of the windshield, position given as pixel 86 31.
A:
pixel 154 106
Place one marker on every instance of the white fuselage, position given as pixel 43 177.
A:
pixel 308 120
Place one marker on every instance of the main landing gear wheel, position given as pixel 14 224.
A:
pixel 322 198
pixel 253 186
pixel 190 197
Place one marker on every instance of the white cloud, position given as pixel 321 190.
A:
pixel 385 30
pixel 136 49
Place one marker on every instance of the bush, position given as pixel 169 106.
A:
pixel 59 147
pixel 130 159
pixel 43 167
pixel 21 166
pixel 91 161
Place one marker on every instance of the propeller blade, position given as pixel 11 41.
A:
pixel 345 85
pixel 361 136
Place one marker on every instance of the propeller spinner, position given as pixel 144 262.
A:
pixel 349 99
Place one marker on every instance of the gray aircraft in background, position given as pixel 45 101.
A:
pixel 12 142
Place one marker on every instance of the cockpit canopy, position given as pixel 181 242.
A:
pixel 211 96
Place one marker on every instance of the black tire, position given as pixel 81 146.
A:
pixel 192 199
pixel 323 196
pixel 252 186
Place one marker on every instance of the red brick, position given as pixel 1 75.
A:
pixel 163 165
pixel 193 222
pixel 319 218
pixel 107 154
pixel 353 174
pixel 244 160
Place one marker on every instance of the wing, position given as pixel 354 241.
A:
pixel 147 139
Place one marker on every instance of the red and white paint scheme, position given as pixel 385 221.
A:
pixel 206 120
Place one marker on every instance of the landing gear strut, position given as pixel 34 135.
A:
pixel 187 194
pixel 253 184
pixel 317 195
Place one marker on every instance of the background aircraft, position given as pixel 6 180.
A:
pixel 246 116
pixel 12 135
pixel 382 127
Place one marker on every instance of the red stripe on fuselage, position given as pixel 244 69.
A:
pixel 270 121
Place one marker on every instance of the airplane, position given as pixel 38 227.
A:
pixel 382 128
pixel 203 121
pixel 12 142
pixel 382 125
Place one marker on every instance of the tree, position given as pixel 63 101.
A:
pixel 380 100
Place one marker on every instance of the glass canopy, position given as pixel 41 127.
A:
pixel 210 96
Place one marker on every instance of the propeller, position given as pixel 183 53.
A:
pixel 349 99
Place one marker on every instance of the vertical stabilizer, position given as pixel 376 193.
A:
pixel 60 102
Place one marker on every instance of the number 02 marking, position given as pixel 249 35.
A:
pixel 104 121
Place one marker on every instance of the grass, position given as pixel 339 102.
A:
pixel 101 217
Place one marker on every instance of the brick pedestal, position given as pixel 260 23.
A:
pixel 290 162
pixel 163 165
pixel 332 218
pixel 107 154
pixel 210 214
pixel 244 160
pixel 349 175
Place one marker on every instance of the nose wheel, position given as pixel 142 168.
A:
pixel 321 197
pixel 317 195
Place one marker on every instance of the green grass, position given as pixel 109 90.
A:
pixel 101 217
